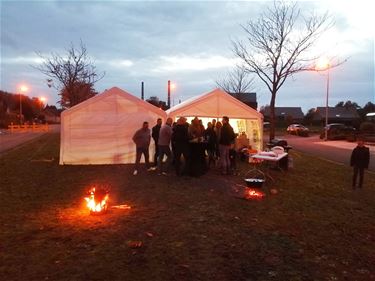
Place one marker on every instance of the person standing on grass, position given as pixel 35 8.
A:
pixel 359 160
pixel 180 140
pixel 155 137
pixel 164 141
pixel 211 140
pixel 142 139
pixel 227 137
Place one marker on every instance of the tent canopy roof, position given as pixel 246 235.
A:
pixel 216 103
pixel 119 93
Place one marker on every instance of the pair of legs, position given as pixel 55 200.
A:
pixel 181 150
pixel 164 150
pixel 224 158
pixel 358 171
pixel 139 152
pixel 156 155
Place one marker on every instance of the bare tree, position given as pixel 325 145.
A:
pixel 277 46
pixel 73 74
pixel 236 81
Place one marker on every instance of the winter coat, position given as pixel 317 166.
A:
pixel 360 157
pixel 155 133
pixel 227 135
pixel 180 134
pixel 165 135
pixel 142 138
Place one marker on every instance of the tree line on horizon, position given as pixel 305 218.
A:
pixel 32 109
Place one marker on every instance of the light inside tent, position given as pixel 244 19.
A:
pixel 250 127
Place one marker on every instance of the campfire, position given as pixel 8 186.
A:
pixel 97 200
pixel 254 194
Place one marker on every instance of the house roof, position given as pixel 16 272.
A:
pixel 295 112
pixel 245 97
pixel 337 112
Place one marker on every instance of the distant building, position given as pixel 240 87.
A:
pixel 51 114
pixel 249 99
pixel 344 115
pixel 285 114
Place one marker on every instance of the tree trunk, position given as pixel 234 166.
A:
pixel 272 115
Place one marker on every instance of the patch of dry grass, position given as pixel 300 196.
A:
pixel 315 228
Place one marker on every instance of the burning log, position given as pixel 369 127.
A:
pixel 97 200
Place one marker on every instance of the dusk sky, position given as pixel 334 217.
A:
pixel 186 42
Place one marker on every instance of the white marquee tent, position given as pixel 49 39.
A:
pixel 100 129
pixel 217 104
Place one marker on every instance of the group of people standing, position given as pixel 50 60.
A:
pixel 192 142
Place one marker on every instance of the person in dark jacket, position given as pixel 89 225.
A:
pixel 359 160
pixel 180 140
pixel 211 140
pixel 227 137
pixel 142 139
pixel 155 137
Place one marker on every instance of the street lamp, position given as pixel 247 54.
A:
pixel 322 65
pixel 23 89
pixel 42 101
pixel 171 86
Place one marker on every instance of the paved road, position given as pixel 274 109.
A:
pixel 9 140
pixel 337 151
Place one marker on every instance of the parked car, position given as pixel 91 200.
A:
pixel 298 129
pixel 338 131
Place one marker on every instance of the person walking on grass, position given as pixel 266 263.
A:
pixel 142 139
pixel 155 137
pixel 359 160
pixel 164 141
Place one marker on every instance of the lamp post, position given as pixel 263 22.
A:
pixel 322 65
pixel 23 89
pixel 169 94
pixel 171 86
pixel 42 101
pixel 327 94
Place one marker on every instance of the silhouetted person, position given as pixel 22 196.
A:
pixel 155 137
pixel 211 140
pixel 142 139
pixel 164 141
pixel 227 137
pixel 180 141
pixel 359 160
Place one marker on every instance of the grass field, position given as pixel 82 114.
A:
pixel 315 228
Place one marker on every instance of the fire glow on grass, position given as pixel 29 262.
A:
pixel 97 200
pixel 254 194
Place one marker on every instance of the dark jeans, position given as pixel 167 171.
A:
pixel 181 150
pixel 164 150
pixel 156 155
pixel 197 159
pixel 358 170
pixel 224 158
pixel 139 152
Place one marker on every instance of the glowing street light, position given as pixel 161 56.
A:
pixel 23 89
pixel 171 86
pixel 321 65
pixel 42 101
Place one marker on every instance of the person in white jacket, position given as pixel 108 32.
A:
pixel 165 136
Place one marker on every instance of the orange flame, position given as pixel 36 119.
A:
pixel 99 203
pixel 254 194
